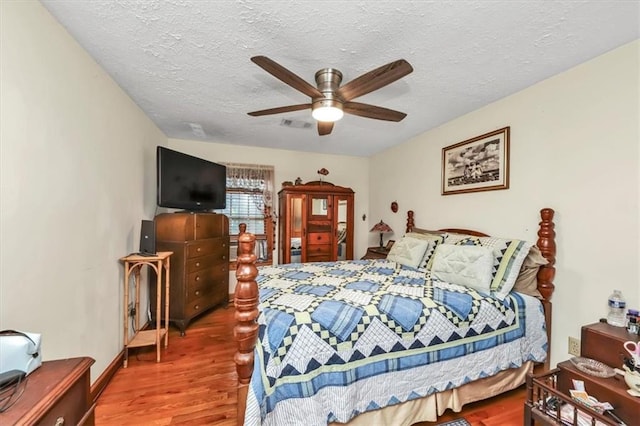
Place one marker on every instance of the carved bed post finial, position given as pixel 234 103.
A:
pixel 410 223
pixel 245 331
pixel 547 245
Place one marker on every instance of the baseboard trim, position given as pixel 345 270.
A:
pixel 99 385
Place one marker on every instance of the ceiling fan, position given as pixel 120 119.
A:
pixel 329 101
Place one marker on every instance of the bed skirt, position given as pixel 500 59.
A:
pixel 428 409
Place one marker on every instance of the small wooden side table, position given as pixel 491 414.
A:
pixel 376 253
pixel 133 264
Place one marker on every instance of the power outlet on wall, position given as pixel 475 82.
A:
pixel 574 346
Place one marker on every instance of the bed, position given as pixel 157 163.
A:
pixel 391 341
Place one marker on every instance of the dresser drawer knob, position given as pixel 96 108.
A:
pixel 199 249
pixel 224 257
pixel 197 263
pixel 197 307
pixel 197 292
pixel 197 277
pixel 59 421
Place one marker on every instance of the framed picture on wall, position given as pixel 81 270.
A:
pixel 477 164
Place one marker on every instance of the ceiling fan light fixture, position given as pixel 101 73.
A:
pixel 328 110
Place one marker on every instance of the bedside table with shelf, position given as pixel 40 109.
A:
pixel 376 253
pixel 133 263
pixel 601 342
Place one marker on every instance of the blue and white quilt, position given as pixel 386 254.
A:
pixel 340 338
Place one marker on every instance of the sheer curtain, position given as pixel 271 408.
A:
pixel 250 200
pixel 255 179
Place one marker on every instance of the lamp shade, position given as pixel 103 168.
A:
pixel 381 227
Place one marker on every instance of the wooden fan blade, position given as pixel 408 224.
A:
pixel 374 80
pixel 372 111
pixel 279 110
pixel 286 76
pixel 325 127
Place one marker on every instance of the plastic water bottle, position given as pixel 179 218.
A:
pixel 617 315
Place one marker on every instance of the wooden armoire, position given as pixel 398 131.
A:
pixel 315 223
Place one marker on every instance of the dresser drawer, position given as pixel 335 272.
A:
pixel 221 249
pixel 197 292
pixel 206 301
pixel 318 249
pixel 70 409
pixel 319 238
pixel 197 279
pixel 201 262
pixel 200 248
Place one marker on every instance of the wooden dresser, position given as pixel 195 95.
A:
pixel 57 393
pixel 199 272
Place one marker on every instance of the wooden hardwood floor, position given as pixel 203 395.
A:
pixel 195 384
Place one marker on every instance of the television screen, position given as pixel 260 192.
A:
pixel 190 183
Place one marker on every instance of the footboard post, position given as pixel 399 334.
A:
pixel 547 245
pixel 245 331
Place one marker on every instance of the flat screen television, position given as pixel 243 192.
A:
pixel 190 183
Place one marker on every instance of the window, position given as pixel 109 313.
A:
pixel 249 200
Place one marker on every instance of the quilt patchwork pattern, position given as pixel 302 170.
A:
pixel 337 323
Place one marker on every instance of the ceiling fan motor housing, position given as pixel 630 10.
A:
pixel 329 101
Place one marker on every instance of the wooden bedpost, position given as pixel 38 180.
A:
pixel 547 245
pixel 410 223
pixel 245 331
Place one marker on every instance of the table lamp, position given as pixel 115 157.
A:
pixel 381 227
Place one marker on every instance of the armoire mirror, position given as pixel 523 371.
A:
pixel 319 206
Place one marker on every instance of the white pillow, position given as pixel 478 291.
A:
pixel 408 251
pixel 470 266
pixel 433 240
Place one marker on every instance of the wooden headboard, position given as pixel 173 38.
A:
pixel 546 243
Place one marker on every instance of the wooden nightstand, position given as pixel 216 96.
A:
pixel 376 253
pixel 604 343
pixel 601 342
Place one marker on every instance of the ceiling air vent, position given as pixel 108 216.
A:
pixel 197 130
pixel 296 124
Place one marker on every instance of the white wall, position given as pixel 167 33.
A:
pixel 344 170
pixel 77 174
pixel 574 147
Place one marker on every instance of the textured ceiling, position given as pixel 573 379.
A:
pixel 188 62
